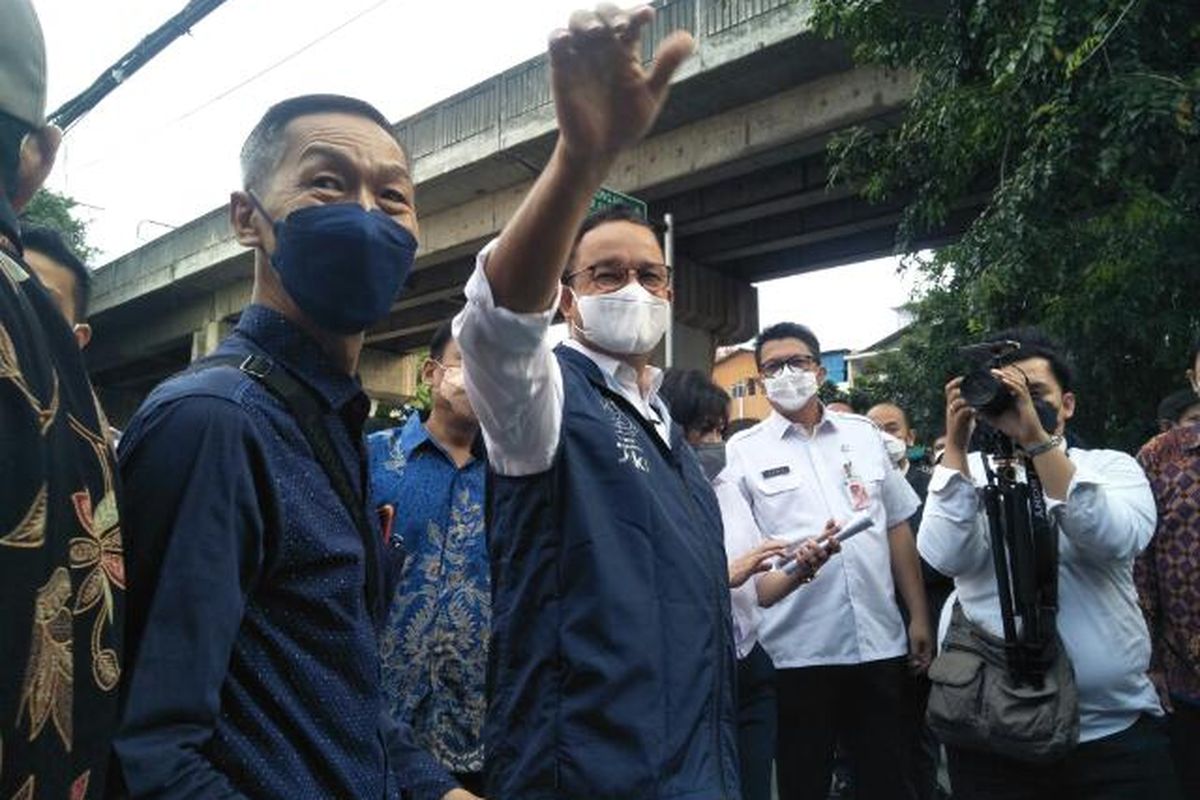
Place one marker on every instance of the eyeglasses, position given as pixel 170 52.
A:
pixel 608 276
pixel 775 366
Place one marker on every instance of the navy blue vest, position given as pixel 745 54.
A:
pixel 611 670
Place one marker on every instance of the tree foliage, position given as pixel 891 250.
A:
pixel 1072 125
pixel 53 210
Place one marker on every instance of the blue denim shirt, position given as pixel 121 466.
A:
pixel 254 669
pixel 434 645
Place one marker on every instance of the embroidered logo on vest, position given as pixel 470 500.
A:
pixel 628 446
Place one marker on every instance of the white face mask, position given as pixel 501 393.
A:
pixel 629 321
pixel 791 389
pixel 896 449
pixel 453 390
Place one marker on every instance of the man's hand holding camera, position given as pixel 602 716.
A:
pixel 1020 421
pixel 960 422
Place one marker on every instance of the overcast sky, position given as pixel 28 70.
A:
pixel 162 149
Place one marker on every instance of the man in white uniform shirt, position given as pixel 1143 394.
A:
pixel 839 646
pixel 1101 504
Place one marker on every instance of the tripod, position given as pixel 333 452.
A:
pixel 1024 547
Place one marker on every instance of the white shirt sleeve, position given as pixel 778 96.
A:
pixel 741 532
pixel 741 536
pixel 953 536
pixel 513 379
pixel 1109 513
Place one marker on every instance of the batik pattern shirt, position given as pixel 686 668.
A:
pixel 434 646
pixel 1168 572
pixel 62 568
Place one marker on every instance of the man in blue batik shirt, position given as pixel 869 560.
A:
pixel 434 645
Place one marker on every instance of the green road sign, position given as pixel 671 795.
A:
pixel 609 198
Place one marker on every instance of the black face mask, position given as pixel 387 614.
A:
pixel 1047 415
pixel 712 458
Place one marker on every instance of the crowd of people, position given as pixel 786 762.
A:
pixel 569 577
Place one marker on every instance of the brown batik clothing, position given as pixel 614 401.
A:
pixel 1168 571
pixel 62 573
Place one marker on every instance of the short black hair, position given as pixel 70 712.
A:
pixel 786 330
pixel 12 132
pixel 740 424
pixel 51 244
pixel 441 338
pixel 1035 344
pixel 1176 403
pixel 264 147
pixel 696 402
pixel 603 216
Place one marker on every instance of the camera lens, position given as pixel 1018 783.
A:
pixel 984 393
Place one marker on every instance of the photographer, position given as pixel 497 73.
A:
pixel 1101 514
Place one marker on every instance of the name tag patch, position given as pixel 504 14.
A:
pixel 775 472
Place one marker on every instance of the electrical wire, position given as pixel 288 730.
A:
pixel 277 64
pixel 111 154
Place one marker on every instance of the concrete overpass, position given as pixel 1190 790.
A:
pixel 737 158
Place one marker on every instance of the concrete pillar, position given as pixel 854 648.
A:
pixel 206 339
pixel 694 347
pixel 388 376
pixel 711 309
pixel 119 404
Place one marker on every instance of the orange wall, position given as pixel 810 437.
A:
pixel 739 369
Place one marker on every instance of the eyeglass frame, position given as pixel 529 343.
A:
pixel 804 362
pixel 616 263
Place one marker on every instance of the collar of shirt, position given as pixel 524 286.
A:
pixel 1173 443
pixel 415 435
pixel 616 370
pixel 622 379
pixel 780 426
pixel 285 342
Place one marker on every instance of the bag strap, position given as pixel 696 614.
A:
pixel 307 409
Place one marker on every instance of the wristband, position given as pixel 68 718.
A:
pixel 1044 447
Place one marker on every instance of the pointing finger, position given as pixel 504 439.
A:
pixel 671 54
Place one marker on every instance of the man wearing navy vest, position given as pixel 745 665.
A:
pixel 611 662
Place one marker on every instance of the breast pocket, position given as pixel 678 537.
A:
pixel 779 506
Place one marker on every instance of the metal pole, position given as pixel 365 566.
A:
pixel 669 249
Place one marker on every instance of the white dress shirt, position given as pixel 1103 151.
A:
pixel 741 536
pixel 515 383
pixel 1106 520
pixel 793 483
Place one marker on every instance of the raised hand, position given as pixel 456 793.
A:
pixel 604 98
